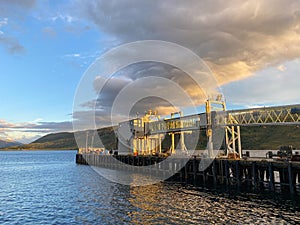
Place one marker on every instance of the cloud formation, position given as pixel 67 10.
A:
pixel 11 44
pixel 236 37
pixel 38 126
pixel 27 132
pixel 143 79
pixel 10 12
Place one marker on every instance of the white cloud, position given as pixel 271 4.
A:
pixel 64 18
pixel 237 37
pixel 75 55
pixel 281 68
pixel 11 12
pixel 29 131
pixel 3 22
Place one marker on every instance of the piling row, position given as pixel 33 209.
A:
pixel 254 174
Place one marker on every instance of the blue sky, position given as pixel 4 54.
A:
pixel 253 49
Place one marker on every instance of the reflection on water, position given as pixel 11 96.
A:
pixel 49 188
pixel 171 203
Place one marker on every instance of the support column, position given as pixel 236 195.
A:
pixel 233 140
pixel 182 141
pixel 239 141
pixel 159 143
pixel 209 128
pixel 134 146
pixel 173 143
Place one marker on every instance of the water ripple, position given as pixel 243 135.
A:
pixel 47 187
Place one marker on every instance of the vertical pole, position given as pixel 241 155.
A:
pixel 210 146
pixel 226 141
pixel 159 143
pixel 194 169
pixel 185 169
pixel 181 133
pixel 290 171
pixel 182 140
pixel 92 144
pixel 254 174
pixel 138 146
pixel 221 171
pixel 173 143
pixel 233 141
pixel 142 143
pixel 86 141
pixel 226 172
pixel 237 171
pixel 271 180
pixel 150 146
pixel 134 146
pixel 209 129
pixel 147 145
pixel 214 171
pixel 141 146
pixel 239 141
pixel 154 146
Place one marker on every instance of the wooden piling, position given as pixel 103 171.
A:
pixel 245 173
pixel 291 179
pixel 271 177
pixel 254 175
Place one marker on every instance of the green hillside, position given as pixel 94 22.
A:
pixel 268 137
pixel 53 141
pixel 66 140
pixel 6 144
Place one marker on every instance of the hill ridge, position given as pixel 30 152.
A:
pixel 260 137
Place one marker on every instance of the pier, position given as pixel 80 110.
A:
pixel 142 149
pixel 250 173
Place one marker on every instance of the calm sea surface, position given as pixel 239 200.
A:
pixel 47 187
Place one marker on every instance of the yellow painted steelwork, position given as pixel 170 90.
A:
pixel 148 131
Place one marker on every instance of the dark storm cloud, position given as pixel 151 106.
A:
pixel 110 91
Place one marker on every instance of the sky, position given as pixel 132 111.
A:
pixel 251 47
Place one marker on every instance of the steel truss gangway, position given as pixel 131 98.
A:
pixel 216 115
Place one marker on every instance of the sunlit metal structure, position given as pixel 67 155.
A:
pixel 146 133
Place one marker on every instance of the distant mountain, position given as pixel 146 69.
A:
pixel 7 144
pixel 260 137
pixel 66 140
